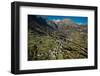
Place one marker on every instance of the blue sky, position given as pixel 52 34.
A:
pixel 76 19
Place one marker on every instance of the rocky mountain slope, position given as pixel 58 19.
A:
pixel 56 39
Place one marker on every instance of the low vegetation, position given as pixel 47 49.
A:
pixel 57 44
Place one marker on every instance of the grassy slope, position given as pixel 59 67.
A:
pixel 51 47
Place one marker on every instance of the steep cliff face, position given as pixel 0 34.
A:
pixel 39 25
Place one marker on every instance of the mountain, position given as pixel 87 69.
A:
pixel 67 24
pixel 65 27
pixel 64 22
pixel 56 39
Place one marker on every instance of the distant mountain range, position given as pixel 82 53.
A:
pixel 67 24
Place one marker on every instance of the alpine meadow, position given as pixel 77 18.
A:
pixel 53 37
